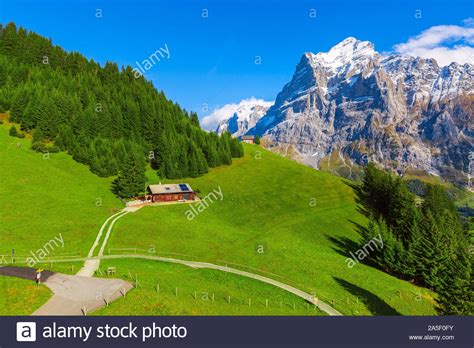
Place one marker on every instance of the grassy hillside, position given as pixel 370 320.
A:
pixel 281 217
pixel 48 196
pixel 199 292
pixel 289 221
pixel 20 296
pixel 42 197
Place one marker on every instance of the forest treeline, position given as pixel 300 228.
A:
pixel 424 240
pixel 103 116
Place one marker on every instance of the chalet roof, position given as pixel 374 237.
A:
pixel 248 137
pixel 170 188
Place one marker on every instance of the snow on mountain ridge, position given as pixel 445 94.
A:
pixel 244 117
pixel 346 52
pixel 349 57
pixel 387 108
pixel 222 113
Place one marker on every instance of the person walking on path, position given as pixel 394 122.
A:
pixel 38 276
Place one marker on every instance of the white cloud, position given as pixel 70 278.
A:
pixel 445 43
pixel 211 121
pixel 468 22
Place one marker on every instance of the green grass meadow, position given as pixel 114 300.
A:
pixel 283 219
pixel 171 289
pixel 21 296
pixel 277 218
pixel 42 197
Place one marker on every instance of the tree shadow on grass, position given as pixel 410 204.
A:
pixel 343 245
pixel 360 199
pixel 347 247
pixel 374 304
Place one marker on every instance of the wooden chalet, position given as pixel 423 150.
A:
pixel 170 192
pixel 250 139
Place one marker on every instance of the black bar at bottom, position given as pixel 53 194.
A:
pixel 292 332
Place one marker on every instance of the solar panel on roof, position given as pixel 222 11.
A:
pixel 183 187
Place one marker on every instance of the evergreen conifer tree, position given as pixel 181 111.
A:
pixel 131 177
pixel 13 132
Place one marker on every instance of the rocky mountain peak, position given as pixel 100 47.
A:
pixel 349 55
pixel 244 117
pixel 400 111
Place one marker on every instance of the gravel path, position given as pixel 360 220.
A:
pixel 72 294
pixel 90 266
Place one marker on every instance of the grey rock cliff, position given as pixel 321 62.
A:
pixel 400 111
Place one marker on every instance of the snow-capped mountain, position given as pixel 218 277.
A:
pixel 401 111
pixel 244 117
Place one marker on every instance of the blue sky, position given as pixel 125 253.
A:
pixel 212 60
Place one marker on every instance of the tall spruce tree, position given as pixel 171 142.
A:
pixel 13 132
pixel 131 177
pixel 432 252
pixel 456 293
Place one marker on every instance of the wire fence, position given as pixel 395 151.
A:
pixel 78 256
pixel 27 259
pixel 267 274
pixel 146 253
pixel 150 252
